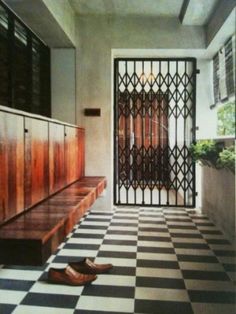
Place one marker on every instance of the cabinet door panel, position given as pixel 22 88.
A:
pixel 56 157
pixel 81 153
pixel 11 165
pixel 36 161
pixel 71 154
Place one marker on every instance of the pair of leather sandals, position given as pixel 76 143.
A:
pixel 77 273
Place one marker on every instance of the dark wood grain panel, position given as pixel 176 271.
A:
pixel 71 154
pixel 81 153
pixel 36 161
pixel 11 165
pixel 56 157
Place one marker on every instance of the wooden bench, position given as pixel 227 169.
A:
pixel 43 188
pixel 32 237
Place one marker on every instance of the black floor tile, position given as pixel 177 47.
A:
pixel 162 307
pixel 98 312
pixel 79 246
pixel 123 224
pixel 196 246
pixel 217 232
pixel 217 241
pixel 197 258
pixel 225 253
pixel 94 227
pixel 157 264
pixel 182 227
pixel 7 308
pixel 109 291
pixel 88 236
pixel 109 231
pixel 230 267
pixel 153 229
pixel 186 235
pixel 50 300
pixel 212 296
pixel 67 259
pixel 116 254
pixel 205 275
pixel 151 249
pixel 13 284
pixel 122 270
pixel 97 219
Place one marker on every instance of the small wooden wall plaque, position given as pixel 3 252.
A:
pixel 92 112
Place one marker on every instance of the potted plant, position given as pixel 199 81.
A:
pixel 213 154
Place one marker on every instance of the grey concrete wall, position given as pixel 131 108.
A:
pixel 63 84
pixel 97 36
pixel 218 199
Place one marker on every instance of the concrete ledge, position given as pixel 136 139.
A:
pixel 218 199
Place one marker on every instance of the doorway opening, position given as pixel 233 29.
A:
pixel 154 119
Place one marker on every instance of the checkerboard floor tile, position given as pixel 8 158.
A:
pixel 166 261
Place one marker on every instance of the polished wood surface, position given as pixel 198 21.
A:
pixel 36 161
pixel 39 158
pixel 32 237
pixel 71 154
pixel 11 165
pixel 56 157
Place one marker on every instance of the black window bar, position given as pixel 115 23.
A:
pixel 154 123
pixel 24 66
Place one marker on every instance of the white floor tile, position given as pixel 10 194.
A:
pixel 118 248
pixel 44 287
pixel 194 252
pixel 115 280
pixel 78 253
pixel 90 231
pixel 123 262
pixel 85 241
pixel 19 274
pixel 180 295
pixel 201 266
pixel 155 244
pixel 158 272
pixel 188 240
pixel 157 256
pixel 28 309
pixel 106 304
pixel 154 234
pixel 120 237
pixel 11 296
pixel 191 231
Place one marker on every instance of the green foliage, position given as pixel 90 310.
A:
pixel 227 158
pixel 206 151
pixel 226 119
pixel 210 153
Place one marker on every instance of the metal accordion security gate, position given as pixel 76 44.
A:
pixel 154 121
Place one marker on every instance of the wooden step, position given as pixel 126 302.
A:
pixel 32 237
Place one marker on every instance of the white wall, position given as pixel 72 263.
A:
pixel 63 84
pixel 97 36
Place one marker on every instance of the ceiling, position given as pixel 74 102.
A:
pixel 191 12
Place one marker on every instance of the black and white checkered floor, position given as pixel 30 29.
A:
pixel 166 261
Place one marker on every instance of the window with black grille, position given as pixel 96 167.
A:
pixel 224 71
pixel 24 66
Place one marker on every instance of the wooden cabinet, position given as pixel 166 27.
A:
pixel 56 157
pixel 38 157
pixel 11 165
pixel 36 161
